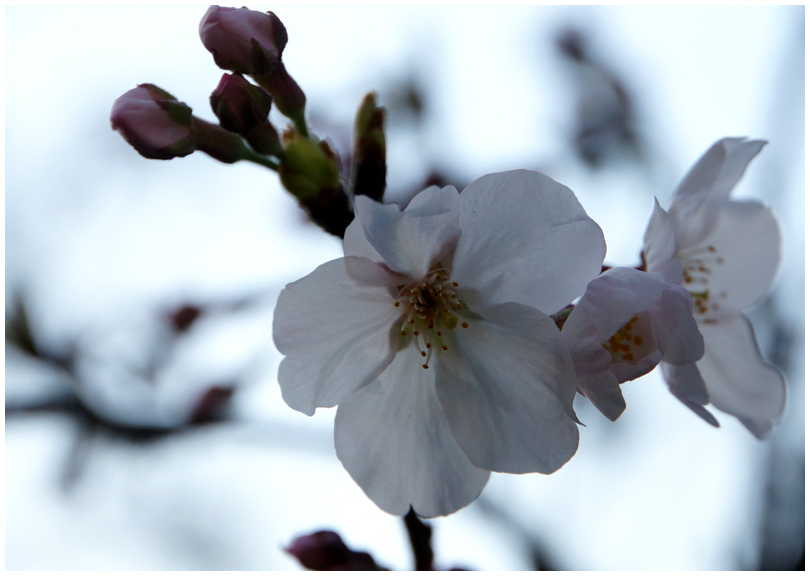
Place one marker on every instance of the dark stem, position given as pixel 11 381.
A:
pixel 419 534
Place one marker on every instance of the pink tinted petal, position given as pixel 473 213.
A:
pixel 686 384
pixel 592 363
pixel 507 386
pixel 409 241
pixel 335 327
pixel 746 256
pixel 739 381
pixel 604 392
pixel 610 302
pixel 707 185
pixel 625 372
pixel 659 246
pixel 525 238
pixel 678 333
pixel 394 440
pixel 613 299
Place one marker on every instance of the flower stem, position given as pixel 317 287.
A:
pixel 419 534
pixel 252 156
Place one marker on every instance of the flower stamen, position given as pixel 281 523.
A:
pixel 632 342
pixel 426 312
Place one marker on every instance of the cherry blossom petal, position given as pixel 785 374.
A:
pixel 507 386
pixel 602 389
pixel 611 300
pixel 659 246
pixel 355 242
pixel 661 318
pixel 679 336
pixel 625 372
pixel 336 328
pixel 739 381
pixel 408 241
pixel 746 237
pixel 394 440
pixel 708 185
pixel 526 239
pixel 687 385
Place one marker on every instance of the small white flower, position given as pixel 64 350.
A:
pixel 433 336
pixel 626 323
pixel 725 252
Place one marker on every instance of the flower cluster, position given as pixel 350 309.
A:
pixel 456 331
pixel 432 335
pixel 725 252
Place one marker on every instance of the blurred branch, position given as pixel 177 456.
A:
pixel 419 535
pixel 606 115
pixel 210 407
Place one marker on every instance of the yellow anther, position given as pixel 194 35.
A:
pixel 427 306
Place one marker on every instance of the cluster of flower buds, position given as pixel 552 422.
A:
pixel 249 45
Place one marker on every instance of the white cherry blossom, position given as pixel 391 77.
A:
pixel 725 252
pixel 626 323
pixel 433 337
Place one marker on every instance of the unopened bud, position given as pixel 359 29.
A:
pixel 244 108
pixel 154 123
pixel 242 40
pixel 368 166
pixel 239 105
pixel 309 168
pixel 325 550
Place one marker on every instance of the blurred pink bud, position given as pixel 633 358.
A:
pixel 242 40
pixel 325 550
pixel 153 122
pixel 239 105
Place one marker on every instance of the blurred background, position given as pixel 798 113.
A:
pixel 144 425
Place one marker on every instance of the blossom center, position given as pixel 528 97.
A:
pixel 632 342
pixel 429 307
pixel 698 264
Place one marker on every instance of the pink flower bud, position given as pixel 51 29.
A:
pixel 239 105
pixel 325 550
pixel 243 40
pixel 153 122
